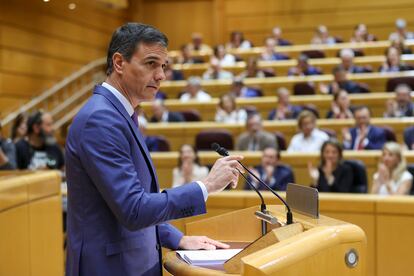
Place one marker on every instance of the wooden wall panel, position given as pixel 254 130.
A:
pixel 256 18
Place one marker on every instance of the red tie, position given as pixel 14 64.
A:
pixel 360 144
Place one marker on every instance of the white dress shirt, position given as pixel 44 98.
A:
pixel 313 143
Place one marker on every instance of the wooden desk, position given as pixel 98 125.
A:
pixel 31 234
pixel 216 88
pixel 165 162
pixel 369 49
pixel 375 101
pixel 282 67
pixel 185 133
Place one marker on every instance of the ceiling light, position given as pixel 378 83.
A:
pixel 72 6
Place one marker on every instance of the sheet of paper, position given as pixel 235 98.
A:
pixel 204 257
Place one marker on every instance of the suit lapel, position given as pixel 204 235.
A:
pixel 137 134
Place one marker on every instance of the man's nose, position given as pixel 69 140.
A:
pixel 159 75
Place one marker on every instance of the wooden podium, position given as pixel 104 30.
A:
pixel 322 246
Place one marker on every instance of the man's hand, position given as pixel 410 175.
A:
pixel 224 172
pixel 200 242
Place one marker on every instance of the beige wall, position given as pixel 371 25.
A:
pixel 217 18
pixel 41 43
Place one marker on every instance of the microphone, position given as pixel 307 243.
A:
pixel 223 152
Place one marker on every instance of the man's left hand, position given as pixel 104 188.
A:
pixel 200 242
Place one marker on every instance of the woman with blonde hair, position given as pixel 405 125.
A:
pixel 392 177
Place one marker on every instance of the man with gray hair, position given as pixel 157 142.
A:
pixel 402 105
pixel 401 32
pixel 347 62
pixel 194 91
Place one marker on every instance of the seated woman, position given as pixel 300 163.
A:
pixel 332 175
pixel 223 58
pixel 393 62
pixel 341 106
pixel 189 168
pixel 227 111
pixel 361 34
pixel 392 177
pixel 252 70
pixel 237 41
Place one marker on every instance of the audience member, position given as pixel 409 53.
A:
pixel 401 31
pixel 39 150
pixel 216 72
pixel 361 34
pixel 284 109
pixel 332 175
pixel 271 172
pixel 341 106
pixel 7 153
pixel 277 36
pixel 172 74
pixel 363 136
pixel 303 68
pixel 19 128
pixel 162 115
pixel 402 105
pixel 309 138
pixel 347 62
pixel 189 168
pixel 239 90
pixel 227 111
pixel 393 62
pixel 194 92
pixel 223 58
pixel 187 57
pixel 269 52
pixel 237 41
pixel 399 43
pixel 255 138
pixel 197 43
pixel 322 36
pixel 341 82
pixel 409 137
pixel 252 70
pixel 392 177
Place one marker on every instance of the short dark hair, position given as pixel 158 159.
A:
pixel 126 39
pixel 361 107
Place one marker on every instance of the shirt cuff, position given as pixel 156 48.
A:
pixel 203 189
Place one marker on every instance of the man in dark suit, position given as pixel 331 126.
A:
pixel 364 136
pixel 117 218
pixel 409 137
pixel 255 138
pixel 161 114
pixel 276 175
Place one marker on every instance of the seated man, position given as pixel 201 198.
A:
pixel 402 105
pixel 161 114
pixel 269 52
pixel 284 109
pixel 239 90
pixel 274 174
pixel 310 138
pixel 347 63
pixel 216 72
pixel 341 82
pixel 186 56
pixel 363 136
pixel 7 153
pixel 255 138
pixel 194 92
pixel 303 68
pixel 40 150
pixel 197 44
pixel 277 36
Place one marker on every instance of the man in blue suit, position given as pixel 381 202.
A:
pixel 117 218
pixel 364 136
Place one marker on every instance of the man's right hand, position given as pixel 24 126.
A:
pixel 223 173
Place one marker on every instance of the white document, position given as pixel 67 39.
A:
pixel 207 257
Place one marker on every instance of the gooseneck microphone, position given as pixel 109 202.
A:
pixel 223 152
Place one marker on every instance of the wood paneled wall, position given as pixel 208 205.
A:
pixel 298 19
pixel 42 43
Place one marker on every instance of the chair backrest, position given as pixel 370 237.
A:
pixel 191 115
pixel 281 140
pixel 394 82
pixel 360 182
pixel 163 144
pixel 303 88
pixel 389 134
pixel 314 54
pixel 409 137
pixel 410 168
pixel 204 139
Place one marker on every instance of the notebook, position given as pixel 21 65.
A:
pixel 207 257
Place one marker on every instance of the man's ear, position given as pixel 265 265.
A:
pixel 118 63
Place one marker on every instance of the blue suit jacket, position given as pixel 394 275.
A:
pixel 283 175
pixel 376 137
pixel 116 215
